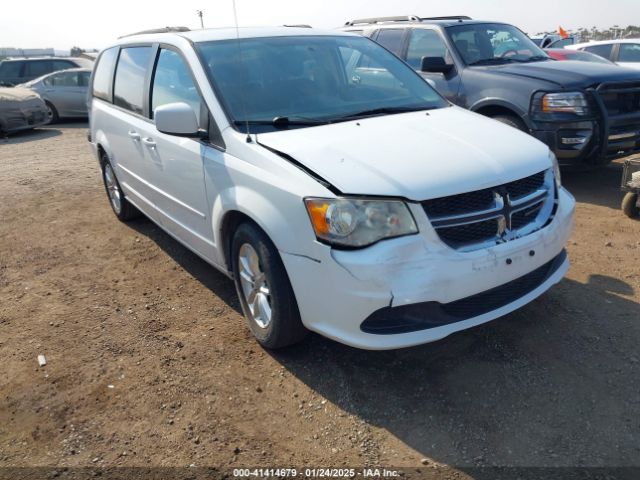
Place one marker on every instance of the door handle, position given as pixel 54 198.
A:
pixel 149 142
pixel 134 135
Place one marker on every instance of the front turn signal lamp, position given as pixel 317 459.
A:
pixel 358 222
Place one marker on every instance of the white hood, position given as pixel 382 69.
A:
pixel 418 155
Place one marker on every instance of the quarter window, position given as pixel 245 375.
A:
pixel 172 82
pixel 128 90
pixel 83 79
pixel 103 74
pixel 629 52
pixel 425 43
pixel 602 50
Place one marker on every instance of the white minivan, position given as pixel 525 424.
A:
pixel 339 190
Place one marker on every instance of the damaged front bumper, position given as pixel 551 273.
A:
pixel 416 289
pixel 22 115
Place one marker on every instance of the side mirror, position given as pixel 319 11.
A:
pixel 435 65
pixel 177 119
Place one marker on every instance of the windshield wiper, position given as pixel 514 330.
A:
pixel 535 58
pixel 381 111
pixel 492 61
pixel 283 122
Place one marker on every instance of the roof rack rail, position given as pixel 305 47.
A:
pixel 299 25
pixel 158 30
pixel 362 21
pixel 452 17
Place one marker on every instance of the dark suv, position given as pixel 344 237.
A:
pixel 21 70
pixel 587 113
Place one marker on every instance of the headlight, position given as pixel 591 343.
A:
pixel 572 102
pixel 556 169
pixel 350 222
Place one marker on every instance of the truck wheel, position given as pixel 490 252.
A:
pixel 512 121
pixel 263 286
pixel 630 205
pixel 119 204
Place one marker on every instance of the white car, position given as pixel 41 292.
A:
pixel 624 52
pixel 338 189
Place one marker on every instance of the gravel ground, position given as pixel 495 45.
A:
pixel 149 361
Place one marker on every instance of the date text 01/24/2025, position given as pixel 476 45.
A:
pixel 314 473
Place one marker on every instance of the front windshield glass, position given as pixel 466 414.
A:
pixel 300 81
pixel 494 43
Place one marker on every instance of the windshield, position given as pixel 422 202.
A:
pixel 300 81
pixel 586 57
pixel 494 43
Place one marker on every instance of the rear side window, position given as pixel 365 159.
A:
pixel 629 52
pixel 128 90
pixel 38 68
pixel 172 82
pixel 10 69
pixel 66 79
pixel 602 50
pixel 391 39
pixel 62 65
pixel 103 74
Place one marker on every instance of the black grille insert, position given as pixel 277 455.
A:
pixel 471 233
pixel 620 101
pixel 477 217
pixel 525 186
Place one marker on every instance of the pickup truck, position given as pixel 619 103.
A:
pixel 587 113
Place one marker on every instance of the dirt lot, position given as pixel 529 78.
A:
pixel 149 362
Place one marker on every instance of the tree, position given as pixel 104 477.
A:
pixel 77 51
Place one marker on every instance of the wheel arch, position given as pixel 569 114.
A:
pixel 284 224
pixel 228 225
pixel 102 147
pixel 493 107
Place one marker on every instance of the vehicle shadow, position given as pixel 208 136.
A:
pixel 25 136
pixel 554 384
pixel 542 386
pixel 598 187
pixel 72 123
pixel 204 273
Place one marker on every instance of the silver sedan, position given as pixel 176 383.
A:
pixel 64 92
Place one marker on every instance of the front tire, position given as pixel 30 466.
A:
pixel 119 204
pixel 512 121
pixel 630 205
pixel 263 286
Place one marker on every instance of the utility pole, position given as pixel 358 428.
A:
pixel 200 13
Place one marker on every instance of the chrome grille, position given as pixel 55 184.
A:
pixel 475 220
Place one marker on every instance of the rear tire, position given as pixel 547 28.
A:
pixel 119 204
pixel 264 289
pixel 630 205
pixel 512 121
pixel 52 113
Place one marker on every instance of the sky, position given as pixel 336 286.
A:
pixel 62 24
